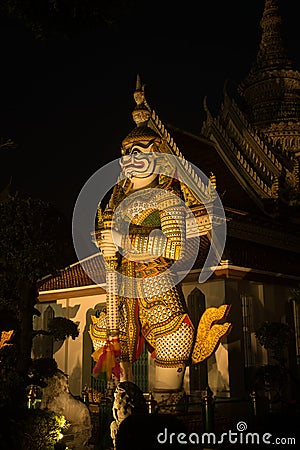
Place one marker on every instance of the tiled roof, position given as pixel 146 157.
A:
pixel 76 275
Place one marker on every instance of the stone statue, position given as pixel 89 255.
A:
pixel 56 397
pixel 128 400
pixel 154 313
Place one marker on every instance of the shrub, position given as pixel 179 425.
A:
pixel 43 429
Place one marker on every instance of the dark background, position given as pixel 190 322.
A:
pixel 66 96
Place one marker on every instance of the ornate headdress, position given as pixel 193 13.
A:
pixel 149 127
pixel 141 115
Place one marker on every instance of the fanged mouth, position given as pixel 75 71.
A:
pixel 137 165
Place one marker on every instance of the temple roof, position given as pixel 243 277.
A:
pixel 252 153
pixel 257 128
pixel 252 256
pixel 203 153
pixel 254 240
pixel 75 276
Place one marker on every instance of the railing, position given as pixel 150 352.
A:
pixel 202 412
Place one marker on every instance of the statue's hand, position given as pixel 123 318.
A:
pixel 209 333
pixel 109 243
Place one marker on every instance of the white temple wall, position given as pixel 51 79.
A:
pixel 226 368
pixel 73 357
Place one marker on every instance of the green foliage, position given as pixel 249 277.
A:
pixel 41 369
pixel 12 387
pixel 274 335
pixel 61 328
pixel 272 374
pixel 295 294
pixel 12 384
pixel 32 245
pixel 9 319
pixel 45 367
pixel 7 144
pixel 48 18
pixel 29 239
pixel 42 429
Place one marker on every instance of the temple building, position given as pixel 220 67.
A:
pixel 250 152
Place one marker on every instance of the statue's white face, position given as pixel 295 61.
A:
pixel 139 164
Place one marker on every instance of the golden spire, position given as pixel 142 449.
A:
pixel 141 113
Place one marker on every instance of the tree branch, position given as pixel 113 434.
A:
pixel 41 332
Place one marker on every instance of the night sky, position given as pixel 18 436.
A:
pixel 67 102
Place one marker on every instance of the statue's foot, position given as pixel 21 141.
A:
pixel 169 401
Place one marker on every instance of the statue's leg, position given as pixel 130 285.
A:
pixel 172 353
pixel 169 378
pixel 169 331
pixel 168 385
pixel 126 371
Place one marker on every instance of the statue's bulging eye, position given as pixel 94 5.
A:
pixel 135 152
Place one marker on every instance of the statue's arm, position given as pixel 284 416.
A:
pixel 173 226
pixel 168 241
